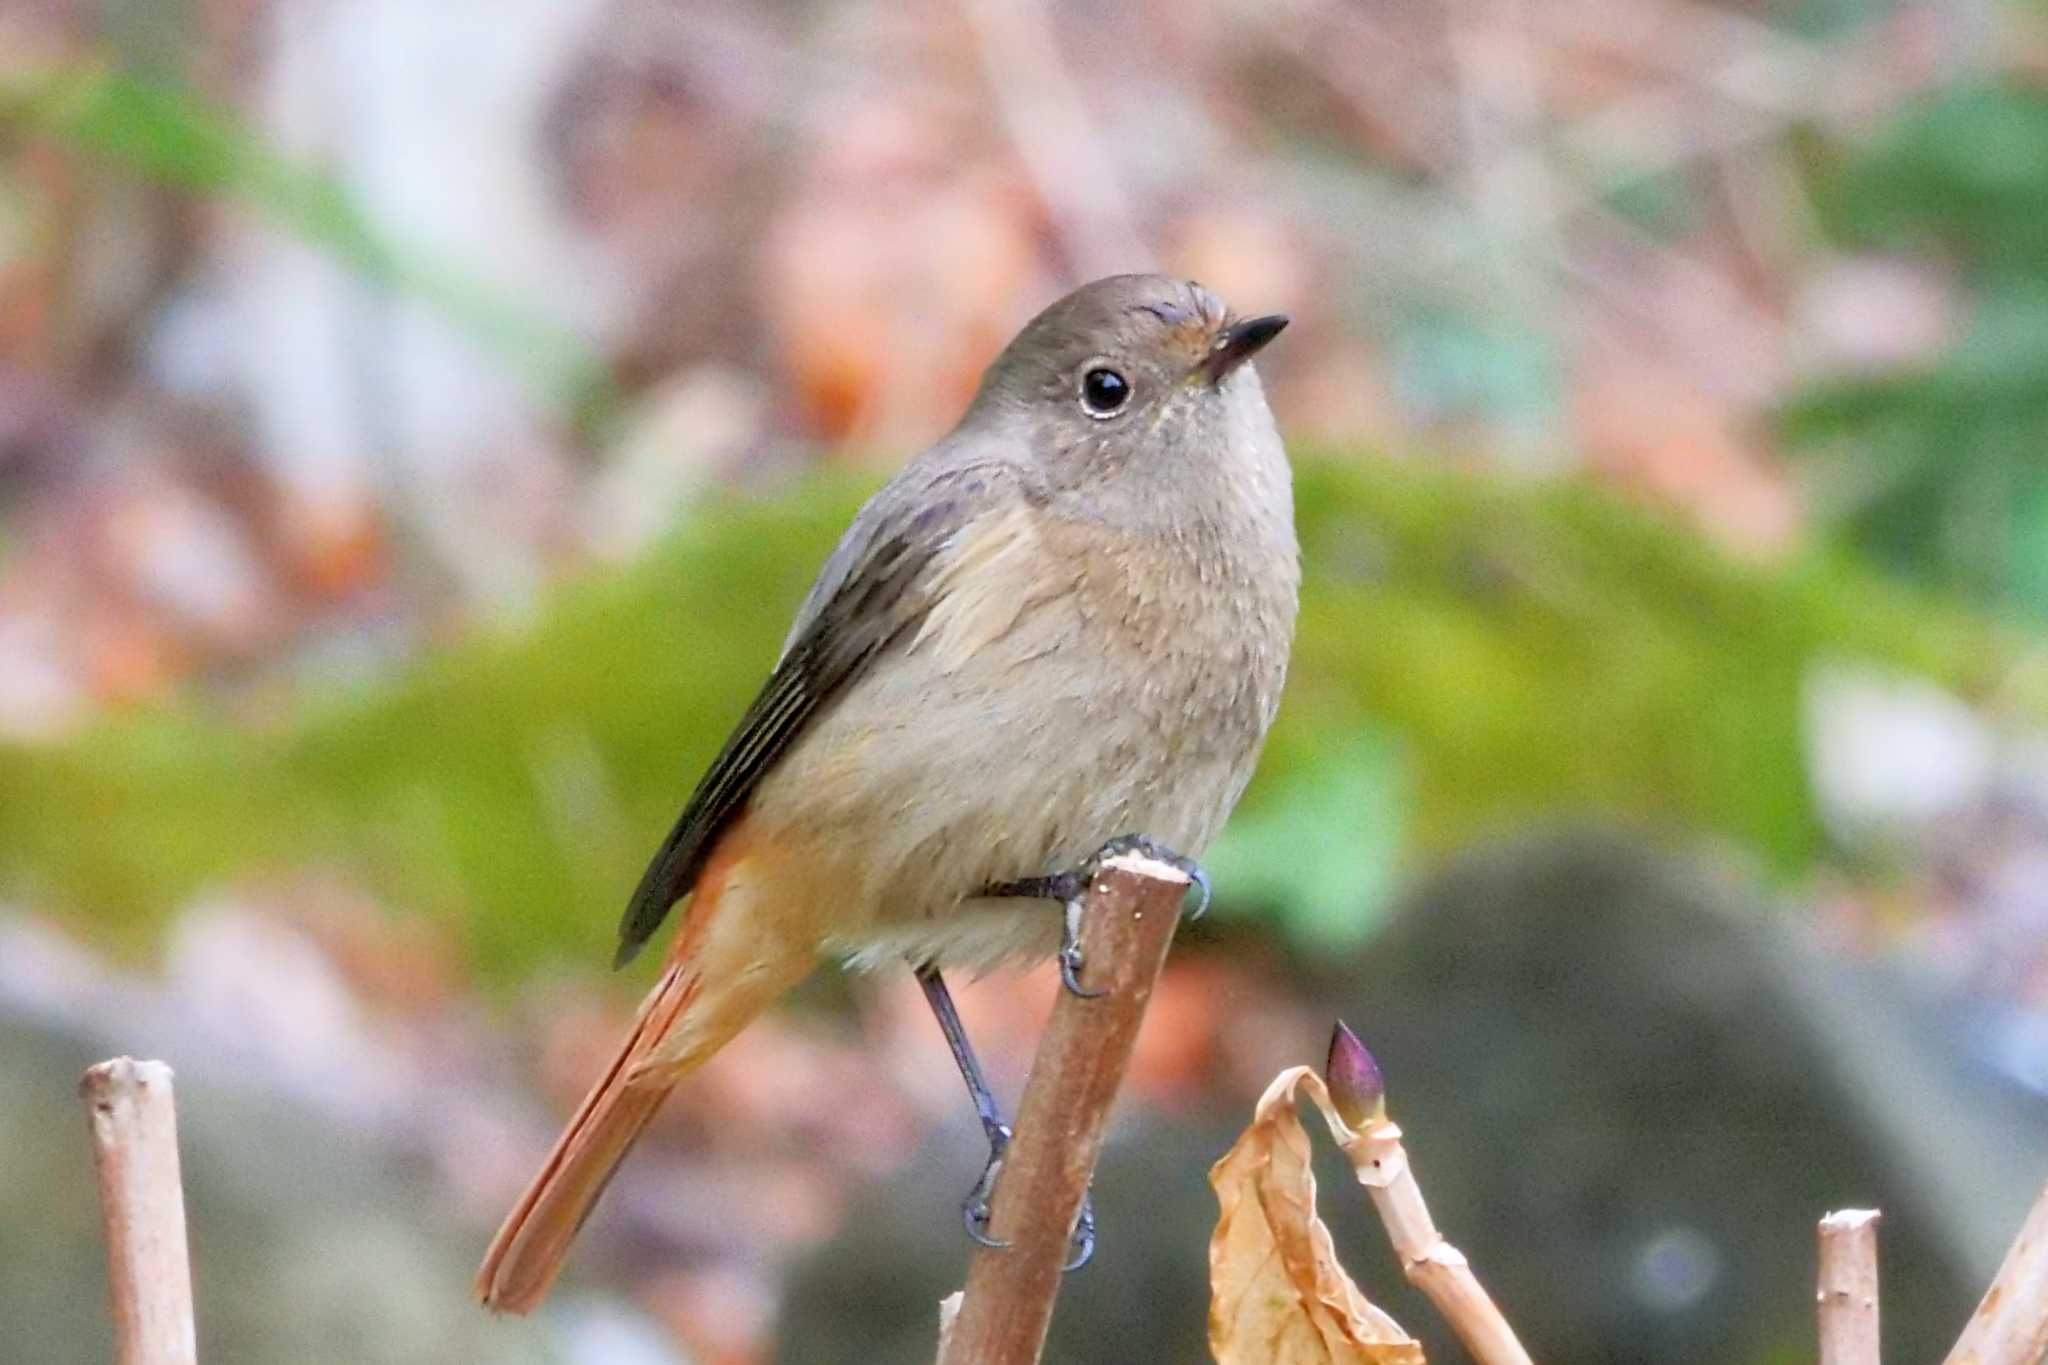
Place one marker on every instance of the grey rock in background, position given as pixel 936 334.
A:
pixel 1621 1100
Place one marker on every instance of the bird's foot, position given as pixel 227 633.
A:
pixel 1070 951
pixel 1070 888
pixel 975 1211
pixel 1158 853
pixel 1081 1245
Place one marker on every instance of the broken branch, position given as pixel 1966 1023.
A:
pixel 1847 1288
pixel 142 1202
pixel 2010 1326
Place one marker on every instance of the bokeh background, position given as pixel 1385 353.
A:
pixel 418 420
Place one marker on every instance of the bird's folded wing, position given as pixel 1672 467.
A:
pixel 877 585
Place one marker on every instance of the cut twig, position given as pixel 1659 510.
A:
pixel 142 1202
pixel 1373 1145
pixel 1847 1288
pixel 1132 909
pixel 2010 1326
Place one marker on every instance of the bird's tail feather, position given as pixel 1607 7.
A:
pixel 527 1252
pixel 730 962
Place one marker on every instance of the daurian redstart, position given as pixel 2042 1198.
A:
pixel 1067 621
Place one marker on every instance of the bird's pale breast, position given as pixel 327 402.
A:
pixel 1057 696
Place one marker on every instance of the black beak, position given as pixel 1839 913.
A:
pixel 1238 344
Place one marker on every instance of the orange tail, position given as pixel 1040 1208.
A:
pixel 679 1025
pixel 528 1250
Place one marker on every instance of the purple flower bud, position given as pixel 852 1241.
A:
pixel 1356 1086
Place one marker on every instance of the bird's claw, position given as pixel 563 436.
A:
pixel 1070 952
pixel 1201 881
pixel 1070 888
pixel 1083 1240
pixel 975 1211
pixel 1084 876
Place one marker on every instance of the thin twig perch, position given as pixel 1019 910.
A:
pixel 1846 1296
pixel 2010 1326
pixel 142 1202
pixel 1431 1264
pixel 1372 1143
pixel 1132 909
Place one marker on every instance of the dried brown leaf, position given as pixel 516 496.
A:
pixel 1277 1295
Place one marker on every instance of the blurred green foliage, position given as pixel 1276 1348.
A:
pixel 1472 653
pixel 1942 472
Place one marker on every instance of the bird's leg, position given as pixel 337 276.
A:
pixel 1070 888
pixel 976 1210
pixel 985 1107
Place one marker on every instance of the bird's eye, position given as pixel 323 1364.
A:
pixel 1104 392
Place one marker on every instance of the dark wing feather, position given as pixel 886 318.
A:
pixel 868 595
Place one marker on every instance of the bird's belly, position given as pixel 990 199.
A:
pixel 930 784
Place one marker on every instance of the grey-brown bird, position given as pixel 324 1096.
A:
pixel 1068 621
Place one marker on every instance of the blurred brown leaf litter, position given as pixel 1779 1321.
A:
pixel 1576 227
